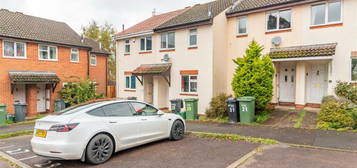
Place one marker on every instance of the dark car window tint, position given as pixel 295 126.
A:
pixel 97 112
pixel 144 109
pixel 118 109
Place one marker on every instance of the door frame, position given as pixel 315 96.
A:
pixel 149 79
pixel 308 81
pixel 281 65
pixel 41 87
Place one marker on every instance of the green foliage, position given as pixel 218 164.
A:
pixel 335 115
pixel 77 93
pixel 263 116
pixel 254 76
pixel 218 107
pixel 346 90
pixel 298 120
pixel 103 34
pixel 234 137
pixel 329 98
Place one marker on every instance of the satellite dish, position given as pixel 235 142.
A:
pixel 166 58
pixel 276 41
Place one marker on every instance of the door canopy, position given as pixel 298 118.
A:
pixel 33 77
pixel 154 70
pixel 305 51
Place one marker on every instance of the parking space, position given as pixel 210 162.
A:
pixel 189 152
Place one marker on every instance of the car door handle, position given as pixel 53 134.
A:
pixel 144 119
pixel 112 122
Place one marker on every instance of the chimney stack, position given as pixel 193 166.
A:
pixel 154 12
pixel 123 27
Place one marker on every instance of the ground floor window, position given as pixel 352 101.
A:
pixel 354 69
pixel 189 83
pixel 130 82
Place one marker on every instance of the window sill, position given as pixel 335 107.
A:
pixel 326 26
pixel 145 52
pixel 76 62
pixel 126 54
pixel 278 31
pixel 167 50
pixel 129 90
pixel 242 35
pixel 48 60
pixel 192 48
pixel 93 65
pixel 188 94
pixel 21 58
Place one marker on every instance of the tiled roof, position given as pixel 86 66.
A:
pixel 304 51
pixel 95 47
pixel 147 69
pixel 151 23
pixel 198 13
pixel 33 77
pixel 18 25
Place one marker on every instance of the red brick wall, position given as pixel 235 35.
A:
pixel 66 70
pixel 98 73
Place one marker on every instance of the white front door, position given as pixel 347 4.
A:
pixel 316 83
pixel 287 83
pixel 41 98
pixel 20 94
pixel 148 89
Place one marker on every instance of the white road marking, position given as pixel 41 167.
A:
pixel 4 147
pixel 31 157
pixel 54 165
pixel 43 164
pixel 17 151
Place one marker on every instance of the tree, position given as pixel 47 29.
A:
pixel 103 34
pixel 254 76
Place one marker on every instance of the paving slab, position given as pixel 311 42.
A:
pixel 280 156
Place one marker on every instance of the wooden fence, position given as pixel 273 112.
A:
pixel 111 92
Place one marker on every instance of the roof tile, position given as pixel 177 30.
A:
pixel 304 51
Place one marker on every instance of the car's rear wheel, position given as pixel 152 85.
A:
pixel 99 149
pixel 177 130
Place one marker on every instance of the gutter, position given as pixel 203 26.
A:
pixel 133 35
pixel 270 7
pixel 185 25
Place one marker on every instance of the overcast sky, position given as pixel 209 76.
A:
pixel 78 13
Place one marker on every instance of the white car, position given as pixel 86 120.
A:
pixel 93 132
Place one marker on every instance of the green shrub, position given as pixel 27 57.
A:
pixel 254 76
pixel 218 107
pixel 354 115
pixel 77 93
pixel 346 90
pixel 329 98
pixel 335 115
pixel 263 116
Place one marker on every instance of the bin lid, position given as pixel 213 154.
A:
pixel 2 105
pixel 246 98
pixel 19 104
pixel 231 100
pixel 191 100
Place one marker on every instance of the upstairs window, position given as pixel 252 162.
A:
pixel 189 83
pixel 93 60
pixel 168 40
pixel 130 82
pixel 127 47
pixel 354 69
pixel 74 55
pixel 242 25
pixel 146 44
pixel 193 37
pixel 279 20
pixel 326 13
pixel 48 52
pixel 14 49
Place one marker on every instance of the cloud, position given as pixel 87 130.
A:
pixel 78 13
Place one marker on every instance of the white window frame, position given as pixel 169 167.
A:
pixel 278 20
pixel 167 40
pixel 145 42
pixel 127 43
pixel 352 58
pixel 15 50
pixel 90 60
pixel 48 51
pixel 189 37
pixel 130 83
pixel 70 57
pixel 246 25
pixel 326 3
pixel 189 84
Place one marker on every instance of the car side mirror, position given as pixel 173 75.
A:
pixel 160 113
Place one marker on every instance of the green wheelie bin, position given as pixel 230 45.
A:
pixel 246 109
pixel 2 114
pixel 191 109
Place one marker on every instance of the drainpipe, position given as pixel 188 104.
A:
pixel 88 59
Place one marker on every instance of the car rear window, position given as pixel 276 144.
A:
pixel 75 109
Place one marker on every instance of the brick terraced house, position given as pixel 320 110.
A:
pixel 38 56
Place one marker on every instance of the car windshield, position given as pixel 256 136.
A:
pixel 75 109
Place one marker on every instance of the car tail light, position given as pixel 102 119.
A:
pixel 63 127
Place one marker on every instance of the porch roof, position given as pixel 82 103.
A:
pixel 152 69
pixel 317 50
pixel 33 77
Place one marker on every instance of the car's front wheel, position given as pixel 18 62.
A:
pixel 177 130
pixel 99 149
